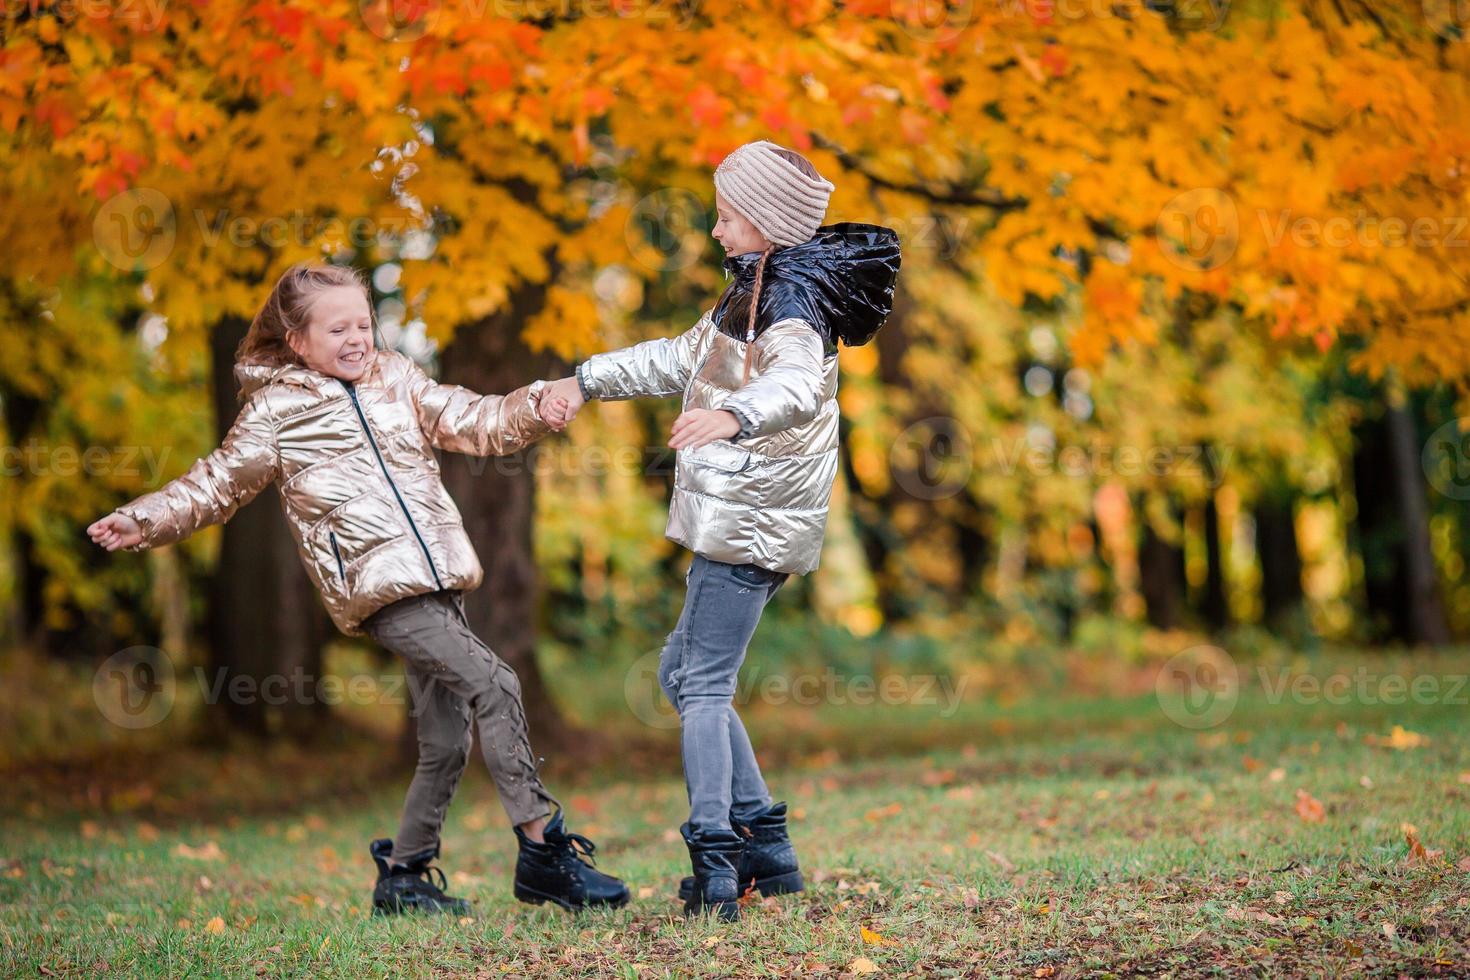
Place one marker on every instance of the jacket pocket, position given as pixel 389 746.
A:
pixel 720 456
pixel 337 553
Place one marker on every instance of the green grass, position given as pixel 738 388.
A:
pixel 1051 837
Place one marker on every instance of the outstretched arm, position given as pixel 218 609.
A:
pixel 209 493
pixel 654 368
pixel 460 421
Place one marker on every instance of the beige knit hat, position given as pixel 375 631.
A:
pixel 784 204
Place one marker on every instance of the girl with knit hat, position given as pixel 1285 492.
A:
pixel 757 455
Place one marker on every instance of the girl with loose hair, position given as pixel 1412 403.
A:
pixel 347 433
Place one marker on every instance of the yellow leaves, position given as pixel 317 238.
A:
pixel 1309 808
pixel 862 965
pixel 566 325
pixel 215 926
pixel 1398 738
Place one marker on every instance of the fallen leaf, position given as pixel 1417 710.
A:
pixel 209 852
pixel 862 965
pixel 1309 808
pixel 880 813
pixel 1418 853
pixel 215 926
pixel 1399 738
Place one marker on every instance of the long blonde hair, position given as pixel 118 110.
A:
pixel 288 309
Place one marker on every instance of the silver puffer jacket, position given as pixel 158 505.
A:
pixel 762 497
pixel 357 476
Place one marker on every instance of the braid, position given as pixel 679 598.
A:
pixel 755 299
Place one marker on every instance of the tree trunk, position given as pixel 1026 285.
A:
pixel 1393 530
pixel 1281 563
pixel 265 617
pixel 1214 604
pixel 1427 621
pixel 497 498
pixel 1161 576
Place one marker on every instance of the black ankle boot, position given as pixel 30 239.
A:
pixel 768 859
pixel 555 872
pixel 715 886
pixel 410 887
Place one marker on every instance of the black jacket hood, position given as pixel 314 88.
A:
pixel 841 282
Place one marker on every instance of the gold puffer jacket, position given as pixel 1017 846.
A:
pixel 357 476
pixel 762 497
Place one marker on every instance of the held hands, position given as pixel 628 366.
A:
pixel 560 402
pixel 702 426
pixel 116 531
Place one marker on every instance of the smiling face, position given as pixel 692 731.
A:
pixel 338 340
pixel 734 231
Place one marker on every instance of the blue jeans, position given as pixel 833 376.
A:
pixel 697 671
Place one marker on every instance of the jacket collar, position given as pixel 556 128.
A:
pixel 252 377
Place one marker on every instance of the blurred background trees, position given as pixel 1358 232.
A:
pixel 1179 349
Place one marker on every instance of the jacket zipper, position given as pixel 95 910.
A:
pixel 351 393
pixel 341 569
